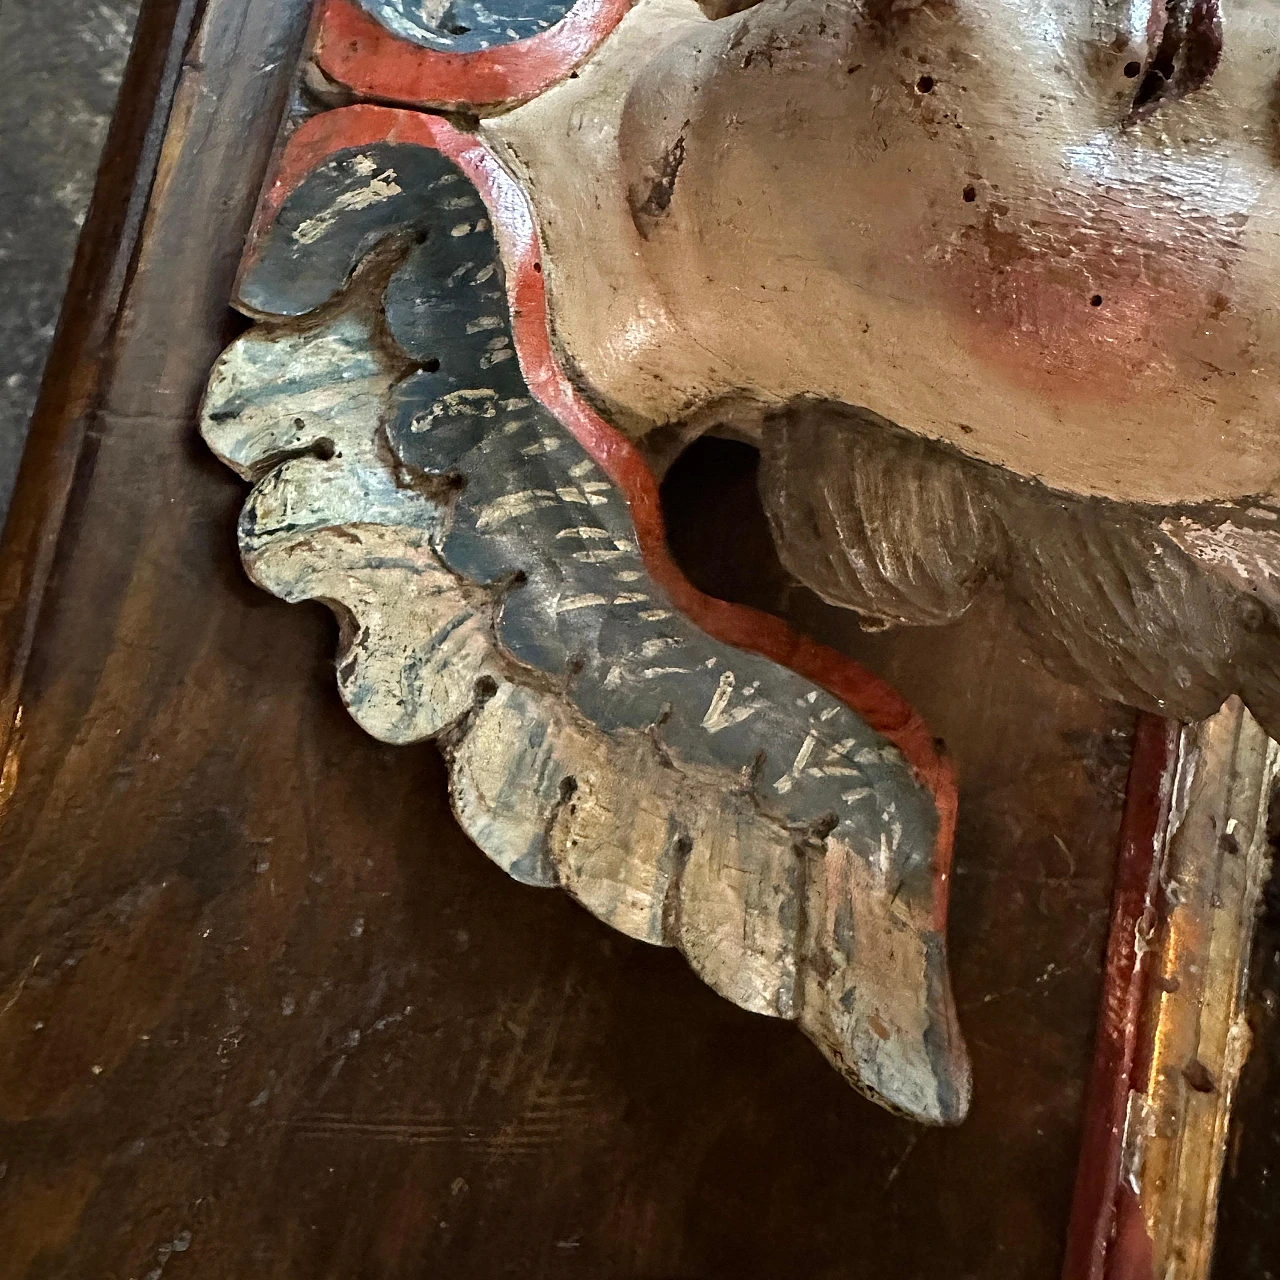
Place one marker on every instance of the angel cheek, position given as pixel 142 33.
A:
pixel 1093 313
pixel 1138 330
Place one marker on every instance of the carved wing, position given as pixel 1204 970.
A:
pixel 494 552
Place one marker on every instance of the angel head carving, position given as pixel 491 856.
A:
pixel 991 301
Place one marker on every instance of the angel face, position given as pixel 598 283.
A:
pixel 1047 231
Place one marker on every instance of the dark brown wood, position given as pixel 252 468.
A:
pixel 264 1011
pixel 74 374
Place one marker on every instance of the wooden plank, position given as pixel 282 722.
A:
pixel 76 367
pixel 1196 1035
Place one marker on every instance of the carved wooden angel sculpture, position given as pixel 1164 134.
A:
pixel 988 281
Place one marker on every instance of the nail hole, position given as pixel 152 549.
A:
pixel 924 84
pixel 432 365
pixel 1096 300
pixel 970 194
pixel 485 688
pixel 324 449
pixel 537 266
pixel 825 826
pixel 1132 69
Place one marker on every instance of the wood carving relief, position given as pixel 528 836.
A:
pixel 995 312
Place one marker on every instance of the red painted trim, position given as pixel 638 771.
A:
pixel 879 704
pixel 1104 1241
pixel 355 49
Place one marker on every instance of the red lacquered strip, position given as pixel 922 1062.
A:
pixel 1106 1235
pixel 879 704
pixel 355 49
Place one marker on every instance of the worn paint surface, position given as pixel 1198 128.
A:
pixel 465 25
pixel 1170 614
pixel 392 51
pixel 495 597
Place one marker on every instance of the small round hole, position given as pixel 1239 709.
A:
pixel 924 84
pixel 537 266
pixel 970 194
pixel 324 449
pixel 1132 69
pixel 1096 300
pixel 432 365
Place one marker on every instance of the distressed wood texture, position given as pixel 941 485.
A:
pixel 1160 611
pixel 265 1011
pixel 1195 1034
pixel 506 589
pixel 1173 1032
pixel 463 26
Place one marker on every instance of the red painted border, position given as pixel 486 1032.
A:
pixel 1107 1234
pixel 879 704
pixel 355 49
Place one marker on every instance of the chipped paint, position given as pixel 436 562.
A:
pixel 578 756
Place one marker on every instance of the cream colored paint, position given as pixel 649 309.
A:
pixel 818 241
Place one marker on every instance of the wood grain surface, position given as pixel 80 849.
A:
pixel 265 1011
